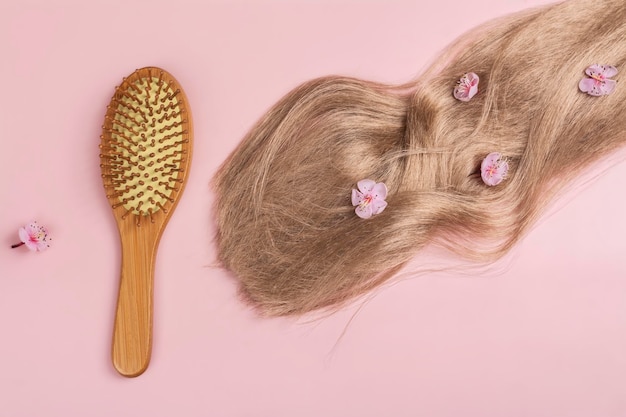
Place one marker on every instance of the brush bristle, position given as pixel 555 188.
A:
pixel 144 144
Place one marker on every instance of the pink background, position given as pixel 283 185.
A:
pixel 543 333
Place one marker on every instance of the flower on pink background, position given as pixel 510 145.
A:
pixel 598 83
pixel 35 237
pixel 466 87
pixel 493 169
pixel 369 199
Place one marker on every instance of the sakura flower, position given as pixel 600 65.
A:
pixel 369 199
pixel 598 83
pixel 493 169
pixel 35 237
pixel 466 87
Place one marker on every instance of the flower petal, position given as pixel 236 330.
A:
pixel 461 93
pixel 601 70
pixel 379 191
pixel 609 70
pixel 607 87
pixel 365 186
pixel 24 237
pixel 587 85
pixel 378 206
pixel 473 84
pixel 594 69
pixel 357 197
pixel 472 91
pixel 364 211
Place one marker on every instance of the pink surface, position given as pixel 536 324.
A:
pixel 544 335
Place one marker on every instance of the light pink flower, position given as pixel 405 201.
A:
pixel 35 237
pixel 598 83
pixel 466 87
pixel 369 199
pixel 493 169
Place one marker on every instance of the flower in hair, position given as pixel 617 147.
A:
pixel 493 169
pixel 369 199
pixel 598 83
pixel 466 87
pixel 35 237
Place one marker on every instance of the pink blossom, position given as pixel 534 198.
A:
pixel 493 169
pixel 369 199
pixel 35 237
pixel 466 87
pixel 598 83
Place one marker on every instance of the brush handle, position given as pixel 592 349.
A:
pixel 132 333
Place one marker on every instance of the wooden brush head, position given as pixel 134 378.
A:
pixel 146 145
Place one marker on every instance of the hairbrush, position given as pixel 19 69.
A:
pixel 145 154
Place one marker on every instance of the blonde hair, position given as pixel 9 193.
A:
pixel 286 226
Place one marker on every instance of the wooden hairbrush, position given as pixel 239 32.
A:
pixel 145 153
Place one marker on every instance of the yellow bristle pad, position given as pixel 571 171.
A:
pixel 144 143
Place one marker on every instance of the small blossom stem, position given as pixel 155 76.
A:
pixel 17 245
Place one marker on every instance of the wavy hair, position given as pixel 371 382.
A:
pixel 286 226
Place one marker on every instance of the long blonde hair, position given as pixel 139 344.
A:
pixel 286 227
